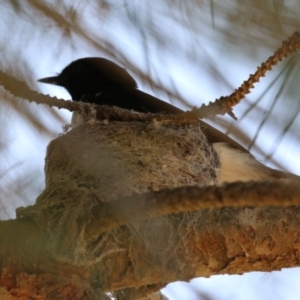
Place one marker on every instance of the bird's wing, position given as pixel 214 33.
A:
pixel 154 105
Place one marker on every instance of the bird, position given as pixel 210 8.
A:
pixel 100 81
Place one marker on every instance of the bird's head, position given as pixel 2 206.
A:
pixel 91 75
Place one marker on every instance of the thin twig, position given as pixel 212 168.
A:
pixel 224 105
pixel 220 106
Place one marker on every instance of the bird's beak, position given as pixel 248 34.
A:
pixel 51 80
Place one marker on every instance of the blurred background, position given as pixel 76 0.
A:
pixel 185 52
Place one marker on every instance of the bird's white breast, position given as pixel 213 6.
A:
pixel 239 166
pixel 77 119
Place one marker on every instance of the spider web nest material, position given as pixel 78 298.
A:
pixel 105 161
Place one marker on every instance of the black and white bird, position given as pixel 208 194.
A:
pixel 101 81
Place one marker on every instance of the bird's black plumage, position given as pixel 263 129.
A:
pixel 100 81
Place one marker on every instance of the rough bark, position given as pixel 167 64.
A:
pixel 91 231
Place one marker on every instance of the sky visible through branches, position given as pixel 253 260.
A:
pixel 186 52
